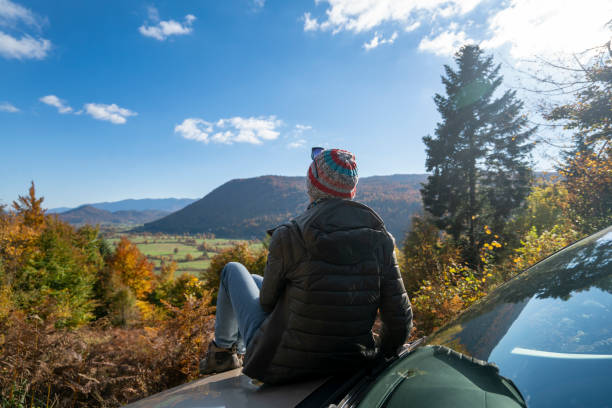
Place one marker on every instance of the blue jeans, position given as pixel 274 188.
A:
pixel 239 314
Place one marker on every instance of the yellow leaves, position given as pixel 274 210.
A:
pixel 440 299
pixel 132 268
pixel 17 240
pixel 535 247
pixel 148 312
pixel 6 303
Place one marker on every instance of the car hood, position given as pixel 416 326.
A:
pixel 230 389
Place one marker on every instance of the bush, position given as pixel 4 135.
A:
pixel 440 300
pixel 255 262
pixel 174 292
pixel 427 253
pixel 99 366
pixel 535 247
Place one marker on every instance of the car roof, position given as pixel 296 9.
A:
pixel 230 389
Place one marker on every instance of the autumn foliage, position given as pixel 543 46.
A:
pixel 83 324
pixel 254 261
pixel 131 269
pixel 42 366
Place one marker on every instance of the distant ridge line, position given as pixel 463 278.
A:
pixel 247 207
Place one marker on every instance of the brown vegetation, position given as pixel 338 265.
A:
pixel 99 365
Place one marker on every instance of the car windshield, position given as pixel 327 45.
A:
pixel 549 330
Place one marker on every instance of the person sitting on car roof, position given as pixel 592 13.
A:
pixel 329 271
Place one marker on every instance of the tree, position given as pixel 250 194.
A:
pixel 130 268
pixel 479 156
pixel 545 207
pixel 587 167
pixel 30 208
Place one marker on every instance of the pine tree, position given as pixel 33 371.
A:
pixel 479 156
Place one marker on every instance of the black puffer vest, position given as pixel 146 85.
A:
pixel 328 273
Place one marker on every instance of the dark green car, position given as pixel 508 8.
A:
pixel 543 339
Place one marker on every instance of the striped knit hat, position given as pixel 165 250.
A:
pixel 332 174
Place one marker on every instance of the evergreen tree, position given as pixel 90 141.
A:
pixel 479 156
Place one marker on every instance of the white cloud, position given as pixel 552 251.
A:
pixel 24 47
pixel 60 104
pixel 525 28
pixel 365 15
pixel 310 24
pixel 379 40
pixel 296 135
pixel 7 107
pixel 12 13
pixel 254 130
pixel 153 14
pixel 302 128
pixel 412 27
pixel 297 144
pixel 550 27
pixel 259 3
pixel 21 45
pixel 446 43
pixel 164 29
pixel 111 113
pixel 195 129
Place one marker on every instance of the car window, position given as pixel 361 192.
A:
pixel 549 330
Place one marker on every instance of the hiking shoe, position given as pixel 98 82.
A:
pixel 219 359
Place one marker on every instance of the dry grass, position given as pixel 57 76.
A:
pixel 99 366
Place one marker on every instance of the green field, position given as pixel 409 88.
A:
pixel 180 248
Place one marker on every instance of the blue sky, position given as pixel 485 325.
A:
pixel 102 101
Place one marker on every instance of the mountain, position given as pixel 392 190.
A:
pixel 244 208
pixel 159 204
pixel 88 214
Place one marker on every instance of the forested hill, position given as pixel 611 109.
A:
pixel 142 204
pixel 244 208
pixel 88 214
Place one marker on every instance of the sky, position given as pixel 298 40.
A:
pixel 108 100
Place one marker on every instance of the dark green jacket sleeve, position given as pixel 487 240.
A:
pixel 395 309
pixel 274 273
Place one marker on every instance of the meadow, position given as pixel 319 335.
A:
pixel 192 253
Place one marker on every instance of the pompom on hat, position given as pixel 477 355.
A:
pixel 332 174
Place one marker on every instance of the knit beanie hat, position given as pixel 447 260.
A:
pixel 332 174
